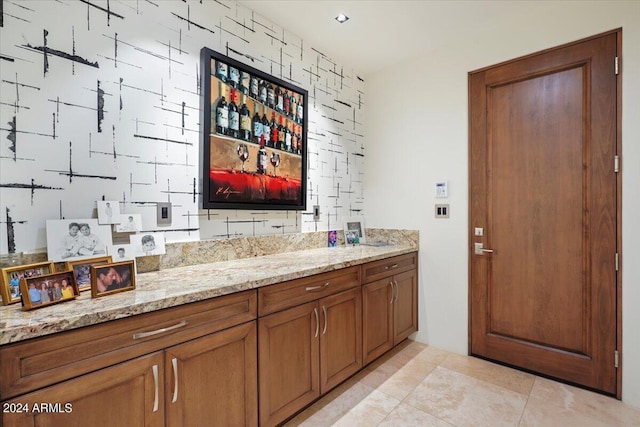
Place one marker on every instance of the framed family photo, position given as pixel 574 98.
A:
pixel 10 278
pixel 82 270
pixel 49 289
pixel 112 278
pixel 354 231
pixel 71 239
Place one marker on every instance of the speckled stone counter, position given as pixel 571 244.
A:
pixel 181 285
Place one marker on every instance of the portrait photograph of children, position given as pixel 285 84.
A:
pixel 69 239
pixel 145 244
pixel 108 212
pixel 129 223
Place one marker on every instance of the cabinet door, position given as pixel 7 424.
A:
pixel 405 310
pixel 288 360
pixel 212 381
pixel 127 394
pixel 340 337
pixel 377 315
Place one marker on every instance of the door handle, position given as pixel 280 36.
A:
pixel 479 250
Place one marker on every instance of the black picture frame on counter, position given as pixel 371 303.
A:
pixel 254 152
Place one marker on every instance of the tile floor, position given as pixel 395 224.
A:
pixel 422 386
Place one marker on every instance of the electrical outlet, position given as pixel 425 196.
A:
pixel 164 213
pixel 442 211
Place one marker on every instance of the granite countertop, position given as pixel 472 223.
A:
pixel 182 285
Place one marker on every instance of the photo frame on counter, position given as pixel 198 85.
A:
pixel 82 270
pixel 48 289
pixel 73 239
pixel 112 278
pixel 254 137
pixel 354 231
pixel 10 278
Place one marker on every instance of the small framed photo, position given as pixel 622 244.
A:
pixel 333 238
pixel 109 212
pixel 10 278
pixel 145 244
pixel 354 231
pixel 41 291
pixel 129 223
pixel 121 253
pixel 82 270
pixel 112 278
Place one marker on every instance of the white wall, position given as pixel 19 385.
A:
pixel 417 135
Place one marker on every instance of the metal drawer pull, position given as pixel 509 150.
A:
pixel 140 335
pixel 174 362
pixel 391 267
pixel 315 288
pixel 324 311
pixel 155 382
pixel 315 311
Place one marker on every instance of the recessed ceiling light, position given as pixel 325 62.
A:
pixel 342 18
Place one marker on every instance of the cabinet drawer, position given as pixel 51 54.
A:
pixel 387 267
pixel 40 362
pixel 295 292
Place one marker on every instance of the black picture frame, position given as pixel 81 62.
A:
pixel 273 176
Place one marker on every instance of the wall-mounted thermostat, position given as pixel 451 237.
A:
pixel 164 213
pixel 442 189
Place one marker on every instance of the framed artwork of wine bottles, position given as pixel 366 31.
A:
pixel 254 135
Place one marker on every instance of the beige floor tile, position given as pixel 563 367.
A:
pixel 407 416
pixel 539 413
pixel 333 405
pixel 466 401
pixel 432 354
pixel 369 412
pixel 405 380
pixel 511 379
pixel 603 408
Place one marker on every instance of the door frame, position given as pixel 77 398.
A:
pixel 471 236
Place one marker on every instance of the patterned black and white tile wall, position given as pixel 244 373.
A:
pixel 99 99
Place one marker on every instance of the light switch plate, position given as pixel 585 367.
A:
pixel 164 213
pixel 316 212
pixel 442 211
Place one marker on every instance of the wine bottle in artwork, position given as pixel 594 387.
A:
pixel 287 104
pixel 245 82
pixel 266 128
pixel 222 71
pixel 254 87
pixel 274 130
pixel 271 96
pixel 300 111
pixel 287 136
pixel 279 99
pixel 245 120
pixel 294 106
pixel 234 116
pixel 222 115
pixel 262 157
pixel 256 125
pixel 281 135
pixel 234 77
pixel 262 92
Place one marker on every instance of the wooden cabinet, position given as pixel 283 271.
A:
pixel 389 304
pixel 306 350
pixel 197 368
pixel 122 395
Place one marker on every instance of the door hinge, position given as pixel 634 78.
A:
pixel 616 357
pixel 617 262
pixel 616 66
pixel 616 164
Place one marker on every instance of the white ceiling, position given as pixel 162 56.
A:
pixel 381 33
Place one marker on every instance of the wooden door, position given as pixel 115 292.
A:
pixel 377 318
pixel 543 143
pixel 212 380
pixel 340 337
pixel 288 360
pixel 127 394
pixel 405 307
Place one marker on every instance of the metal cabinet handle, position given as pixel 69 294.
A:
pixel 315 311
pixel 392 292
pixel 140 335
pixel 174 363
pixel 395 282
pixel 155 382
pixel 391 267
pixel 315 288
pixel 324 311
